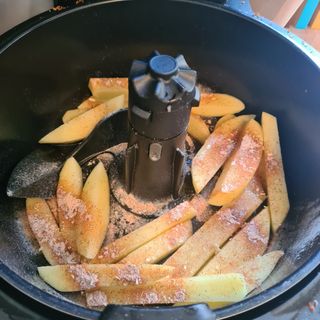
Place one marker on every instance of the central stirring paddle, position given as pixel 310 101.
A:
pixel 162 91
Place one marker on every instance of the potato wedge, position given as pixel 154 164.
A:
pixel 217 105
pixel 224 119
pixel 81 126
pixel 86 105
pixel 96 298
pixel 204 243
pixel 248 243
pixel 71 114
pixel 108 88
pixel 225 287
pixel 44 227
pixel 216 151
pixel 257 270
pixel 240 167
pixel 274 174
pixel 198 129
pixel 71 278
pixel 91 223
pixel 118 249
pixel 161 246
pixel 68 199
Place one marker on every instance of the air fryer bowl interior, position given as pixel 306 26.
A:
pixel 45 71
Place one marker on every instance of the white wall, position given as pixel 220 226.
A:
pixel 12 12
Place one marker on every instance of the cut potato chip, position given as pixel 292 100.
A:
pixel 71 114
pixel 161 246
pixel 196 251
pixel 240 167
pixel 92 222
pixel 255 272
pixel 275 179
pixel 71 278
pixel 248 243
pixel 68 199
pixel 216 151
pixel 225 287
pixel 44 227
pixel 217 105
pixel 81 126
pixel 86 105
pixel 198 129
pixel 108 88
pixel 118 249
pixel 224 119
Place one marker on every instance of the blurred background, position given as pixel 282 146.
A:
pixel 13 12
pixel 299 16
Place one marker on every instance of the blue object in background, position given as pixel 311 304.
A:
pixel 307 13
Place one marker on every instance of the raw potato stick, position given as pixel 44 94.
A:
pixel 240 168
pixel 198 129
pixel 273 172
pixel 81 126
pixel 91 103
pixel 86 105
pixel 255 272
pixel 71 278
pixel 161 246
pixel 118 249
pixel 200 247
pixel 216 151
pixel 217 105
pixel 226 287
pixel 44 227
pixel 68 199
pixel 248 243
pixel 92 223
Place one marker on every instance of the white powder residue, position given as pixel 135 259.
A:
pixel 48 234
pixel 179 296
pixel 177 212
pixel 227 187
pixel 96 299
pixel 69 205
pixel 110 251
pixel 230 216
pixel 129 274
pixel 149 298
pixel 62 250
pixel 84 278
pixel 272 164
pixel 247 152
pixel 254 234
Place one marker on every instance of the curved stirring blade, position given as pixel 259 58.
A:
pixel 36 175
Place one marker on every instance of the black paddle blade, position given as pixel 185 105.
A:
pixel 36 175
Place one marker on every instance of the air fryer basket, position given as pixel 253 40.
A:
pixel 44 69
